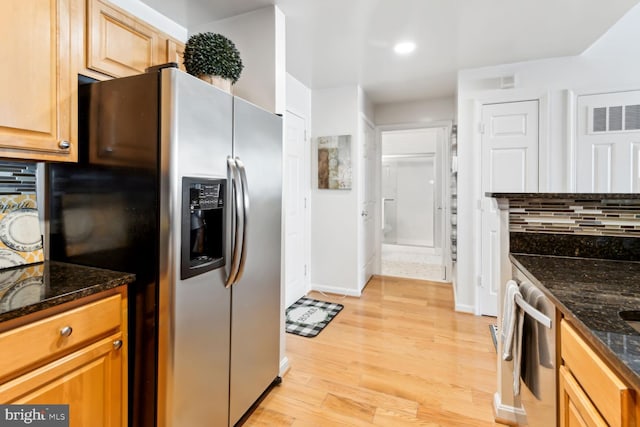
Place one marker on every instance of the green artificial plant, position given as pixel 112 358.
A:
pixel 212 54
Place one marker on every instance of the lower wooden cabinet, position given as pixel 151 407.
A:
pixel 88 380
pixel 90 375
pixel 576 408
pixel 591 393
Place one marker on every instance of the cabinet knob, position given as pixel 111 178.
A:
pixel 66 331
pixel 117 344
pixel 64 145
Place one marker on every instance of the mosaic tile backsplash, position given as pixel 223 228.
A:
pixel 17 178
pixel 603 217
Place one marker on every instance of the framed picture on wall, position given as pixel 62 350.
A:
pixel 334 162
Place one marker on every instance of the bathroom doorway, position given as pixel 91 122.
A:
pixel 413 203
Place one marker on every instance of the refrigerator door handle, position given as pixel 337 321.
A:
pixel 245 219
pixel 239 226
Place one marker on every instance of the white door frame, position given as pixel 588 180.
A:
pixel 543 166
pixel 362 275
pixel 306 189
pixel 446 192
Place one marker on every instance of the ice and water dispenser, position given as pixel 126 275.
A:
pixel 203 231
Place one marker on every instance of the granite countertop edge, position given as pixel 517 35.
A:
pixel 576 319
pixel 68 282
pixel 566 196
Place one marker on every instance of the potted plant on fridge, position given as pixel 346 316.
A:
pixel 214 58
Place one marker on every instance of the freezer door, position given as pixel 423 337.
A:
pixel 194 318
pixel 255 321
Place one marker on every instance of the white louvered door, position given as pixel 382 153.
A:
pixel 608 143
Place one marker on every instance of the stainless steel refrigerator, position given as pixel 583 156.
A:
pixel 180 183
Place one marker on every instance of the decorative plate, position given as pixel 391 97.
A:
pixel 10 259
pixel 25 292
pixel 9 277
pixel 20 230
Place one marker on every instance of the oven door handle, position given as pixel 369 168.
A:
pixel 536 314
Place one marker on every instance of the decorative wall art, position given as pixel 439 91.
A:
pixel 334 162
pixel 20 235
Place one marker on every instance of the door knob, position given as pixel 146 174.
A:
pixel 117 344
pixel 66 331
pixel 364 213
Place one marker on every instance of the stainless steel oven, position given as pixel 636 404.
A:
pixel 538 368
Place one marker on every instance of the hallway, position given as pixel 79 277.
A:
pixel 399 355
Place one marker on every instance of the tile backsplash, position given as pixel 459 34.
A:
pixel 17 178
pixel 603 217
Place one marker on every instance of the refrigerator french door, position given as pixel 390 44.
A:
pixel 203 230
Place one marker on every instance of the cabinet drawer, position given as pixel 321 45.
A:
pixel 29 345
pixel 613 399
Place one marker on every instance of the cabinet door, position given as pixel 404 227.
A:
pixel 614 400
pixel 119 45
pixel 175 53
pixel 576 410
pixel 36 82
pixel 92 381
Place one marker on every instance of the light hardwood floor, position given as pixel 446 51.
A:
pixel 399 355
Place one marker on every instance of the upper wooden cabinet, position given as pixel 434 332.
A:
pixel 117 44
pixel 46 44
pixel 36 82
pixel 120 45
pixel 175 53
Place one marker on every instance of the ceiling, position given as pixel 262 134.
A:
pixel 333 43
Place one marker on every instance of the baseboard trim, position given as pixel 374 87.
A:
pixel 506 414
pixel 335 290
pixel 464 308
pixel 284 366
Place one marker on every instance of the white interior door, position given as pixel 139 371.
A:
pixel 509 164
pixel 608 143
pixel 368 205
pixel 295 175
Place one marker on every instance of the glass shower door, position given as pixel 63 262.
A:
pixel 409 200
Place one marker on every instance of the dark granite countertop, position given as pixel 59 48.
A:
pixel 590 293
pixel 34 287
pixel 568 196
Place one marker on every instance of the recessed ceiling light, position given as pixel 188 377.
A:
pixel 404 48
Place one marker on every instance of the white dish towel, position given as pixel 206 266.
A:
pixel 509 320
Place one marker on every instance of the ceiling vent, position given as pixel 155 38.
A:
pixel 508 82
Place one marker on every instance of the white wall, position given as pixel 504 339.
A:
pixel 260 37
pixel 611 64
pixel 410 141
pixel 424 111
pixel 153 17
pixel 334 219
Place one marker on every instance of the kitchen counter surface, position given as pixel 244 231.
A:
pixel 566 196
pixel 590 293
pixel 35 287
